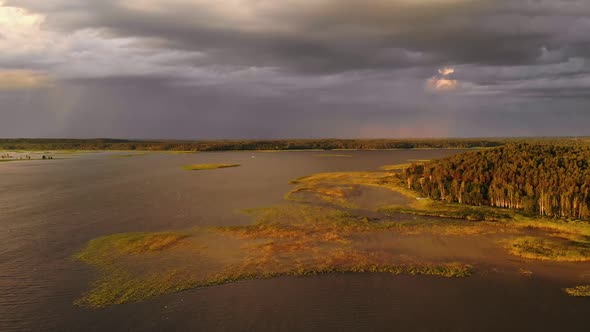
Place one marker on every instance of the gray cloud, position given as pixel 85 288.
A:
pixel 243 66
pixel 339 35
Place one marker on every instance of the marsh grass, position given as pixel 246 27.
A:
pixel 427 207
pixel 300 221
pixel 578 291
pixel 102 249
pixel 443 227
pixel 339 195
pixel 559 240
pixel 394 168
pixel 285 240
pixel 338 189
pixel 200 167
pixel 297 239
pixel 554 249
pixel 570 229
pixel 344 178
pixel 117 285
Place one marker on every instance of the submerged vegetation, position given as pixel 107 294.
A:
pixel 200 167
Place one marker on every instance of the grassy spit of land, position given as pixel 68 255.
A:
pixel 285 240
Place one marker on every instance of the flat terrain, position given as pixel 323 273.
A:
pixel 334 243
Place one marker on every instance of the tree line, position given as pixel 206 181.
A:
pixel 544 179
pixel 232 145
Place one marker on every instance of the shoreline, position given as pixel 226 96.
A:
pixel 229 150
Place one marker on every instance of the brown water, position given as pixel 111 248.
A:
pixel 50 209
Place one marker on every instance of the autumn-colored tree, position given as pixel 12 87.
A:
pixel 545 179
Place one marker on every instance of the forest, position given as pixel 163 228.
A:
pixel 43 144
pixel 544 179
pixel 233 145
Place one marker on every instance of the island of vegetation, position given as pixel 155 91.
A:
pixel 200 167
pixel 326 225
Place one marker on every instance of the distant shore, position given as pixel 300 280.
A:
pixel 25 144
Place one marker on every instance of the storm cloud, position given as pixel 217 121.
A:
pixel 294 68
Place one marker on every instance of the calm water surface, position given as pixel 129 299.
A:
pixel 50 209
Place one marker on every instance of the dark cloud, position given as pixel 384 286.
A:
pixel 256 67
pixel 136 108
pixel 339 35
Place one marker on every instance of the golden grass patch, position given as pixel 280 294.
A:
pixel 394 168
pixel 338 189
pixel 551 248
pixel 112 246
pixel 578 291
pixel 285 240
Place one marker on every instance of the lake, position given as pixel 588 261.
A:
pixel 50 209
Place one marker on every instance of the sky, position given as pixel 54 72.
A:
pixel 263 69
